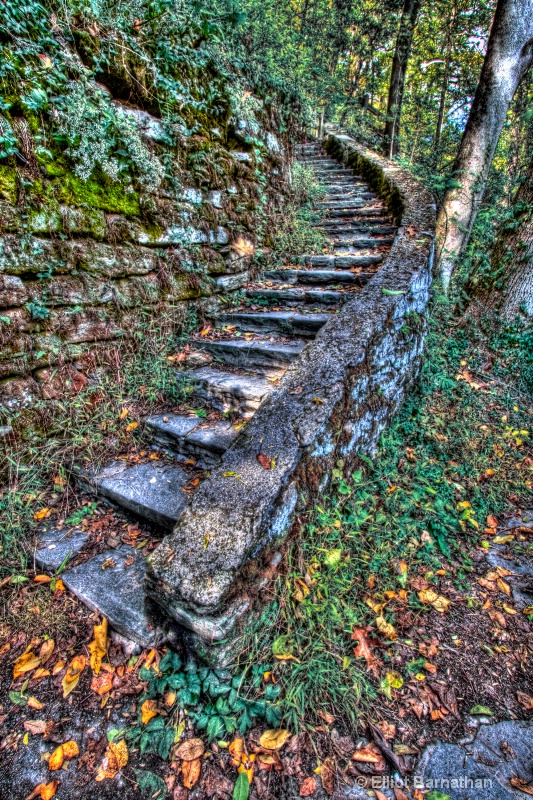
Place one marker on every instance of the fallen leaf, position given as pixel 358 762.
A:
pixel 236 750
pixel 308 787
pixel 42 514
pixel 72 675
pixel 429 597
pixel 44 790
pixel 35 726
pixel 265 461
pixel 327 775
pixel 191 772
pixel 274 739
pixel 386 628
pixel 34 703
pixel 387 729
pixel 101 684
pixel 98 647
pixel 47 648
pixel 42 579
pixel 25 663
pixel 131 427
pixel 522 785
pixel 368 755
pixel 363 650
pixel 525 700
pixel 190 750
pixel 148 711
pixel 329 719
pixel 116 757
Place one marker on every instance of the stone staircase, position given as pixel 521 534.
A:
pixel 233 364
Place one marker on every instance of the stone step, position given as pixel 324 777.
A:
pixel 191 437
pixel 254 354
pixel 285 323
pixel 153 490
pixel 112 583
pixel 343 209
pixel 350 228
pixel 307 296
pixel 341 262
pixel 227 391
pixel 330 276
pixel 361 243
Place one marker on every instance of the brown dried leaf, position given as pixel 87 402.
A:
pixel 363 650
pixel 35 726
pixel 265 461
pixel 191 750
pixel 308 787
pixel 370 754
pixel 522 785
pixel 526 700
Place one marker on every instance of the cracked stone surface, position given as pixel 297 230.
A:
pixel 54 546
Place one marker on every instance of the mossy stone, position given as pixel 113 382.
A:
pixel 8 184
pixel 104 195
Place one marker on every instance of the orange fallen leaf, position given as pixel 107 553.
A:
pixel 44 512
pixel 42 579
pixel 362 650
pixel 58 666
pixel 34 703
pixel 526 700
pixel 131 427
pixel 25 663
pixel 47 648
pixel 148 711
pixel 368 755
pixel 101 684
pixel 522 785
pixel 236 750
pixel 44 790
pixel 191 772
pixel 308 787
pixel 40 673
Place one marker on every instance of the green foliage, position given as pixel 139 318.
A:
pixel 424 500
pixel 218 702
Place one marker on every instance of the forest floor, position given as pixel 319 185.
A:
pixel 403 614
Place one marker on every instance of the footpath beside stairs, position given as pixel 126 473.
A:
pixel 234 366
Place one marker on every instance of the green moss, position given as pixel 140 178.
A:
pixel 100 194
pixel 8 184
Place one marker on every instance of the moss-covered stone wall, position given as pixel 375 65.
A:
pixel 87 264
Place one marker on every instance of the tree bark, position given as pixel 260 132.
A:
pixel 512 257
pixel 400 60
pixel 509 56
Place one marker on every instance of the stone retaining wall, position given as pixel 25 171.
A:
pixel 87 265
pixel 332 404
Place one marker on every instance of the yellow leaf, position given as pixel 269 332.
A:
pixel 34 703
pixel 148 711
pixel 40 673
pixel 44 512
pixel 429 597
pixel 504 587
pixel 274 739
pixel 26 738
pixel 236 749
pixel 59 586
pixel 58 667
pixel 247 767
pixel 98 647
pixel 70 749
pixel 386 628
pixel 441 604
pixel 131 427
pixel 72 675
pixel 191 772
pixel 116 757
pixel 287 657
pixel 503 539
pixel 124 413
pixel 25 663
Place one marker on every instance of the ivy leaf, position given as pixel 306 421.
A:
pixel 241 790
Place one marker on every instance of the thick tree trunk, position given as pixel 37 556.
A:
pixel 397 82
pixel 509 56
pixel 512 258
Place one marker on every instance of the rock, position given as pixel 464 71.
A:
pixel 54 546
pixel 112 584
pixel 56 384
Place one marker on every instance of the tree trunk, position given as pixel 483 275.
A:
pixel 512 257
pixel 397 81
pixel 509 56
pixel 452 20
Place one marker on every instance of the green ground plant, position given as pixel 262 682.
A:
pixel 421 503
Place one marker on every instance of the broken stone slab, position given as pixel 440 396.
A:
pixel 152 490
pixel 282 322
pixel 112 584
pixel 324 296
pixel 54 546
pixel 521 580
pixel 254 354
pixel 229 392
pixel 483 769
pixel 190 437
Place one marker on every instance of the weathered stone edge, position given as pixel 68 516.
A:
pixel 332 403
